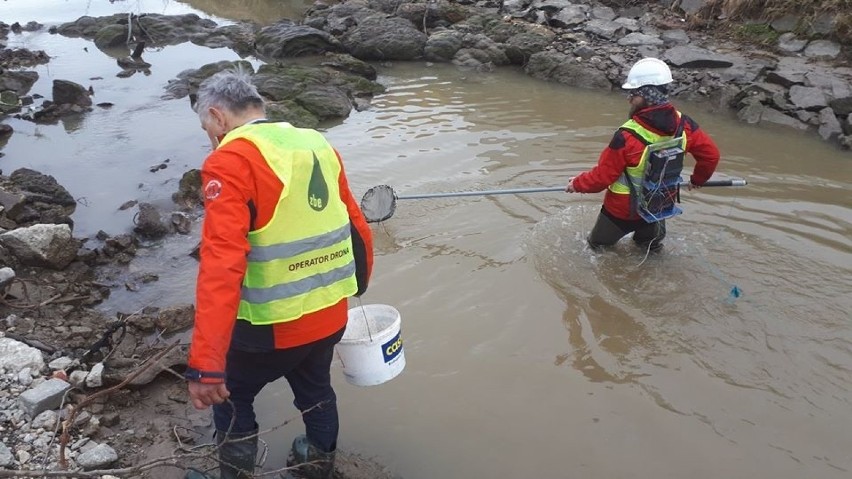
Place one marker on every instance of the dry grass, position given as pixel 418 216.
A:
pixel 806 10
pixel 737 16
pixel 775 8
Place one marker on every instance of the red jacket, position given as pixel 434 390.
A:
pixel 625 150
pixel 241 193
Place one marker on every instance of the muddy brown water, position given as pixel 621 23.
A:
pixel 527 355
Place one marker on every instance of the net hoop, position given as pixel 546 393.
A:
pixel 378 203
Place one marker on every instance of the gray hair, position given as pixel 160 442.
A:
pixel 230 90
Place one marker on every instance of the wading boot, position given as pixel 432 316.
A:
pixel 308 462
pixel 193 473
pixel 236 455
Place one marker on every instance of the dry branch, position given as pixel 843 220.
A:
pixel 177 460
pixel 66 425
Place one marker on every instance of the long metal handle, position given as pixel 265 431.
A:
pixel 732 182
pixel 515 191
pixel 481 193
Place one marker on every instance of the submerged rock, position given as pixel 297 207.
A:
pixel 149 223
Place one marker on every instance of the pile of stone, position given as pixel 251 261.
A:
pixel 35 398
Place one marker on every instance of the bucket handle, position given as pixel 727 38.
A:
pixel 366 323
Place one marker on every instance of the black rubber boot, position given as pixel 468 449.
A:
pixel 236 455
pixel 193 473
pixel 308 461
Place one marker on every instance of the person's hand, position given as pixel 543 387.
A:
pixel 691 186
pixel 205 395
pixel 570 187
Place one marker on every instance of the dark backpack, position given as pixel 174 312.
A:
pixel 660 188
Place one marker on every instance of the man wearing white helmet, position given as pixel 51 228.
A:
pixel 653 120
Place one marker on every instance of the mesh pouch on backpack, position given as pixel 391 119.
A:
pixel 661 182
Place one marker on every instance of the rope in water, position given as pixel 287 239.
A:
pixel 734 291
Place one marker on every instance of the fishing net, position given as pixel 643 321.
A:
pixel 378 203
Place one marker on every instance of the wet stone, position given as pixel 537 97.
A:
pixel 149 223
pixel 10 102
pixel 17 81
pixel 70 93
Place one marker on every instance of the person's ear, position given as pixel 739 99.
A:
pixel 218 118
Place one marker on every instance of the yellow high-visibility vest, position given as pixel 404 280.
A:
pixel 634 175
pixel 302 260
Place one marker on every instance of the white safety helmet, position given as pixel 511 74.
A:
pixel 648 71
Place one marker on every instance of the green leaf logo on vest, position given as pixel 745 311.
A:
pixel 317 188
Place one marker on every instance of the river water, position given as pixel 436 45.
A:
pixel 730 355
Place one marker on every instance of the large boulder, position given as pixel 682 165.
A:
pixel 187 81
pixel 325 101
pixel 689 56
pixel 385 38
pixel 49 246
pixel 442 46
pixel 30 197
pixel 561 68
pixel 15 356
pixel 287 39
pixel 19 82
pixel 66 92
pixel 155 29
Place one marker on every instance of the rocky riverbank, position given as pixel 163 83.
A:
pixel 800 80
pixel 60 358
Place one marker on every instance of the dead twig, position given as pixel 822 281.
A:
pixel 106 338
pixel 66 425
pixel 71 299
pixel 55 299
pixel 176 461
pixel 30 307
pixel 174 373
pixel 55 430
pixel 179 460
pixel 137 52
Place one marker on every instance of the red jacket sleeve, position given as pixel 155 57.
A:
pixel 224 246
pixel 362 237
pixel 617 156
pixel 704 150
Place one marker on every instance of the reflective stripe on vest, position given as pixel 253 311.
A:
pixel 636 174
pixel 302 260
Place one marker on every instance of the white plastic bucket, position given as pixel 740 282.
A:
pixel 371 347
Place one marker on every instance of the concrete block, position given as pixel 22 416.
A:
pixel 45 396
